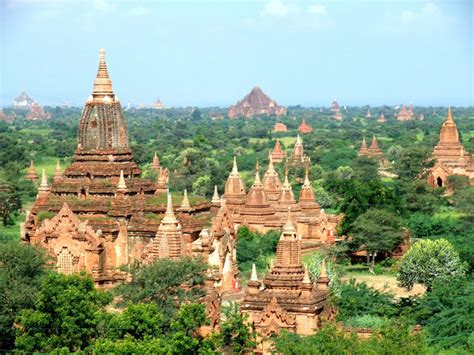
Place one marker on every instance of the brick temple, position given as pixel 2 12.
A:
pixel 450 155
pixel 304 127
pixel 373 151
pixel 406 114
pixel 287 298
pixel 100 214
pixel 254 104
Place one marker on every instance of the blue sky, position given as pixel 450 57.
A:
pixel 207 53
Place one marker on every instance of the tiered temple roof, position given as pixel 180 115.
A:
pixel 37 113
pixel 297 154
pixel 373 151
pixel 334 106
pixel 234 193
pixel 256 103
pixel 23 101
pixel 304 127
pixel 31 174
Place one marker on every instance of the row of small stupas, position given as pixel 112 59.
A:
pixel 450 155
pixel 297 156
pixel 36 112
pixel 99 214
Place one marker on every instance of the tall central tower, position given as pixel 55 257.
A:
pixel 103 146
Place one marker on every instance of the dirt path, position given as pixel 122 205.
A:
pixel 388 284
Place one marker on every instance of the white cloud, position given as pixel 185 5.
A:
pixel 318 9
pixel 278 8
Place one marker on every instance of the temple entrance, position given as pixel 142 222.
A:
pixel 439 181
pixel 65 261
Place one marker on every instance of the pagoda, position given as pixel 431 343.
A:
pixel 278 154
pixel 31 174
pixel 234 192
pixel 37 113
pixel 372 152
pixel 369 114
pixel 381 118
pixel 297 154
pixel 271 182
pixel 337 115
pixel 307 201
pixel 23 101
pixel 451 157
pixel 287 298
pixel 304 127
pixel 158 105
pixel 254 104
pixel 334 106
pixel 405 114
pixel 280 127
pixel 115 214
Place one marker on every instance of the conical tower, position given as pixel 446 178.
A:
pixel 31 174
pixel 271 182
pixel 363 148
pixel 58 174
pixel 234 192
pixel 278 154
pixel 307 201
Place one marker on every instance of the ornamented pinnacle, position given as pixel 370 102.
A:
pixel 234 168
pixel 288 228
pixel 102 84
pixel 306 183
pixel 58 174
pixel 121 186
pixel 169 217
pixel 306 279
pixel 215 197
pixel 44 183
pixel 254 276
pixel 185 202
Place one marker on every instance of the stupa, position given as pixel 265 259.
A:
pixel 304 127
pixel 337 115
pixel 31 174
pixel 158 105
pixel 37 113
pixel 278 154
pixel 334 106
pixel 297 154
pixel 254 104
pixel 381 118
pixel 373 151
pixel 23 101
pixel 405 114
pixel 280 127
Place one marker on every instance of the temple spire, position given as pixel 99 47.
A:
pixel 102 84
pixel 306 278
pixel 271 168
pixel 254 276
pixel 215 197
pixel 234 168
pixel 306 183
pixel 169 217
pixel 185 203
pixel 58 174
pixel 449 118
pixel 121 186
pixel 257 175
pixel 44 187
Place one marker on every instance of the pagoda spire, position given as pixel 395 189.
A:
pixel 306 182
pixel 374 144
pixel 31 174
pixel 185 203
pixel 323 280
pixel 288 228
pixel 257 175
pixel 155 164
pixel 449 118
pixel 102 84
pixel 215 197
pixel 44 187
pixel 58 174
pixel 235 170
pixel 169 217
pixel 121 186
pixel 271 168
pixel 254 276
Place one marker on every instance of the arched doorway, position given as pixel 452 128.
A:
pixel 65 261
pixel 439 181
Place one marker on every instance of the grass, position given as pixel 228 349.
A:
pixel 9 233
pixel 49 165
pixel 420 136
pixel 288 141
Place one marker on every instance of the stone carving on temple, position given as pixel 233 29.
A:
pixel 450 155
pixel 254 104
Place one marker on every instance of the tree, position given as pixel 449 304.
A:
pixel 235 331
pixel 9 202
pixel 162 283
pixel 376 231
pixel 65 315
pixel 21 270
pixel 430 260
pixel 202 186
pixel 412 162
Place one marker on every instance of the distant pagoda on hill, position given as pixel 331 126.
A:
pixel 24 101
pixel 406 114
pixel 158 105
pixel 254 104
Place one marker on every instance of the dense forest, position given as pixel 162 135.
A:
pixel 43 311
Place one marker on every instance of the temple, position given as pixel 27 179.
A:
pixel 37 113
pixel 368 115
pixel 297 154
pixel 372 152
pixel 304 127
pixel 23 101
pixel 334 106
pixel 31 174
pixel 287 298
pixel 158 105
pixel 265 206
pixel 100 214
pixel 406 114
pixel 280 127
pixel 450 155
pixel 381 118
pixel 254 104
pixel 337 115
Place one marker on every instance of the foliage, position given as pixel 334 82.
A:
pixel 314 269
pixel 253 247
pixel 376 231
pixel 358 299
pixel 447 314
pixel 430 260
pixel 365 321
pixel 391 338
pixel 235 331
pixel 9 202
pixel 412 161
pixel 21 270
pixel 161 283
pixel 65 314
